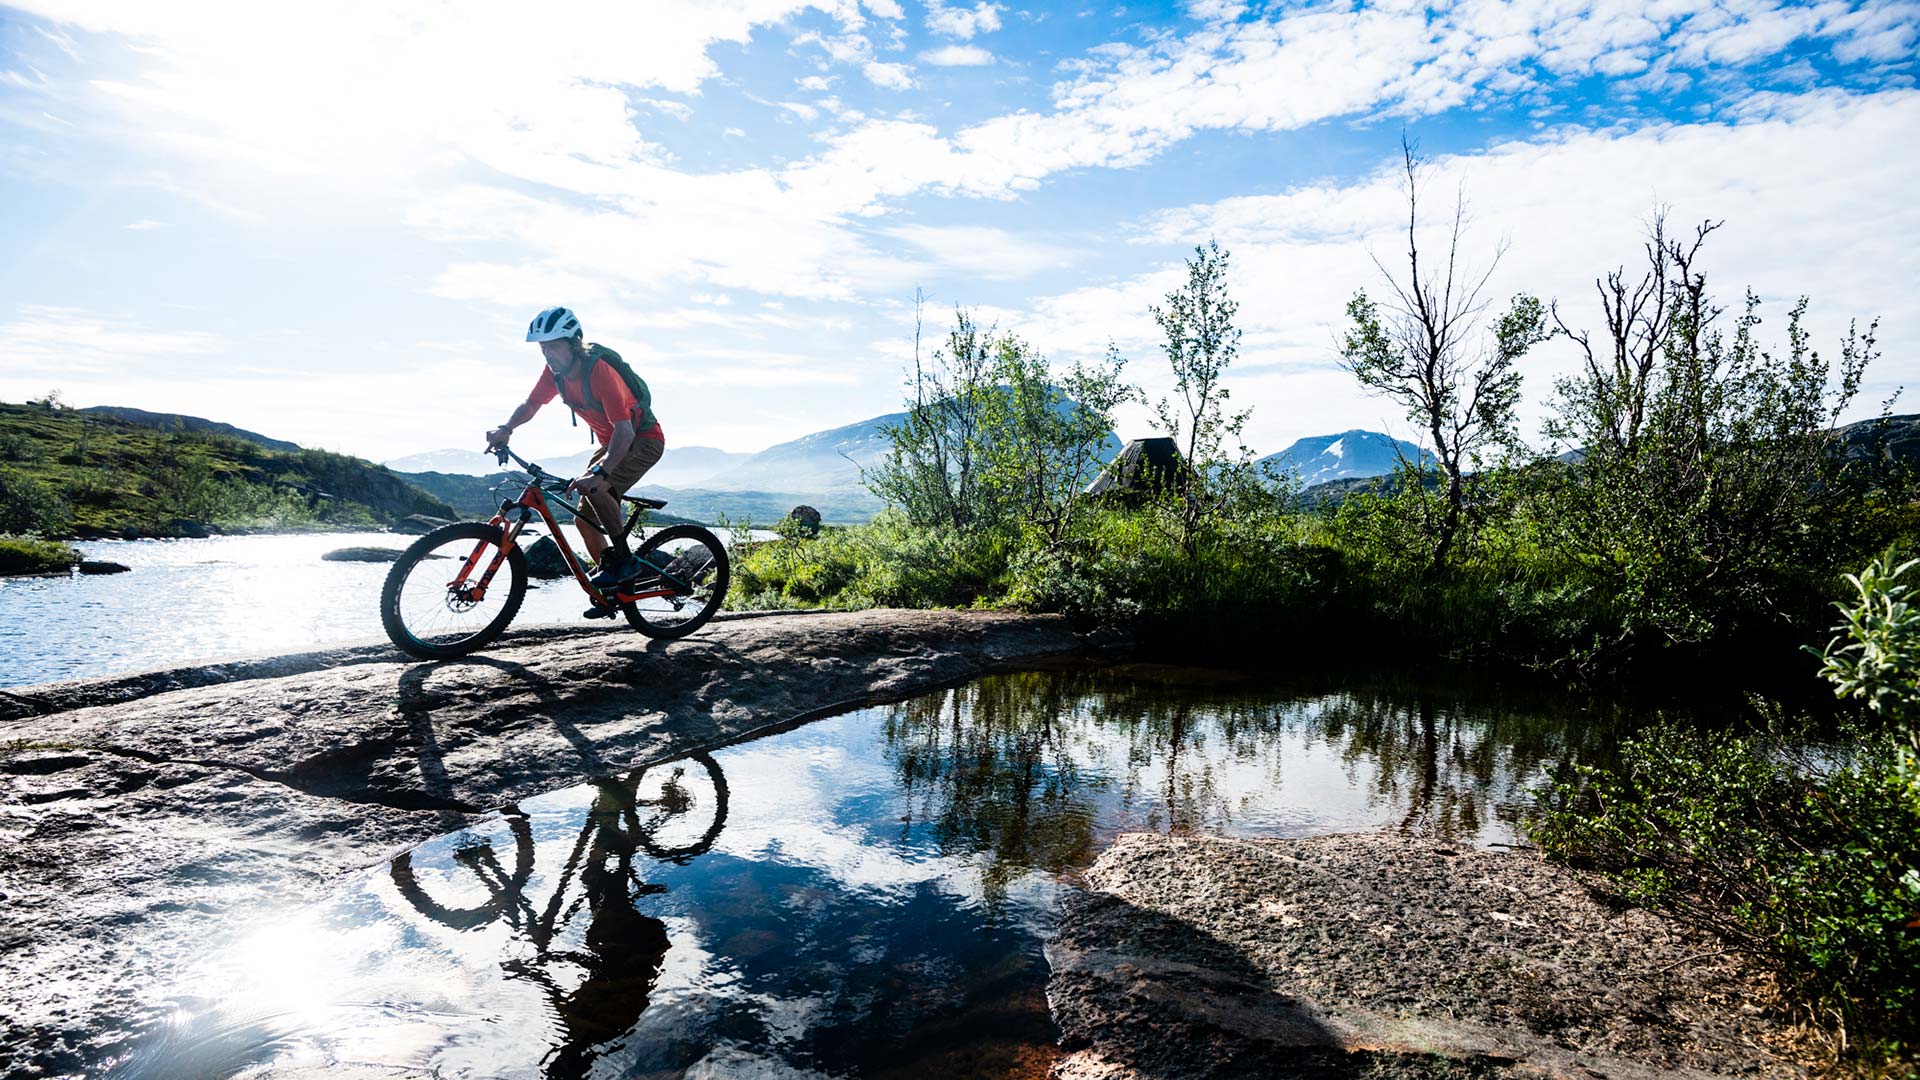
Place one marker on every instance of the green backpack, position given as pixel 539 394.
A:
pixel 600 354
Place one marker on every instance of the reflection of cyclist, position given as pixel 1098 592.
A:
pixel 625 949
pixel 593 381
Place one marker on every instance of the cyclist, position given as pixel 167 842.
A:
pixel 585 376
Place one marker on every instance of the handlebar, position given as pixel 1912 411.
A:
pixel 546 479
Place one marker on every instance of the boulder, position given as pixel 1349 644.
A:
pixel 101 566
pixel 418 524
pixel 805 520
pixel 1142 468
pixel 362 554
pixel 192 530
pixel 544 560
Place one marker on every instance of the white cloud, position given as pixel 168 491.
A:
pixel 889 76
pixel 54 341
pixel 817 83
pixel 963 22
pixel 980 252
pixel 1571 204
pixel 1127 103
pixel 679 110
pixel 145 224
pixel 957 56
pixel 369 89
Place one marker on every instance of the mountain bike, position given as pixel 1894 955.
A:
pixel 442 599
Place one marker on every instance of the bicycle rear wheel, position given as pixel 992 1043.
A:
pixel 696 571
pixel 432 611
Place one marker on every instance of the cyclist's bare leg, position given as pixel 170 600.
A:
pixel 591 538
pixel 606 508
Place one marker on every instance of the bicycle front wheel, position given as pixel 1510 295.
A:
pixel 692 585
pixel 438 602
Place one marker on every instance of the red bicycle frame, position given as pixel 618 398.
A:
pixel 513 517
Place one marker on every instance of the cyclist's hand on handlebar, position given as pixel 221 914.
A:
pixel 497 443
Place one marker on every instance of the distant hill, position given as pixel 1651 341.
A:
pixel 1319 459
pixel 177 422
pixel 683 466
pixel 829 462
pixel 823 462
pixel 91 472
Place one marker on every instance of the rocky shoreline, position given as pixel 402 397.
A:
pixel 144 815
pixel 1383 955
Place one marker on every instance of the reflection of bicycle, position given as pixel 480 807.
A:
pixel 671 812
pixel 434 616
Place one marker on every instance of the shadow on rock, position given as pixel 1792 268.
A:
pixel 1141 995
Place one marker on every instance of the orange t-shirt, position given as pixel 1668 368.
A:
pixel 609 389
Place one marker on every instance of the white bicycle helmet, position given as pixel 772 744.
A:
pixel 553 324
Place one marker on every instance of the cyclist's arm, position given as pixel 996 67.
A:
pixel 544 390
pixel 520 416
pixel 618 444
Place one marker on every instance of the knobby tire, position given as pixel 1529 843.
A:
pixel 390 614
pixel 722 575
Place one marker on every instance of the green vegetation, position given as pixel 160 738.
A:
pixel 27 555
pixel 1808 857
pixel 1702 522
pixel 68 473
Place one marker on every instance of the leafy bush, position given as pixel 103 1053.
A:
pixel 1805 854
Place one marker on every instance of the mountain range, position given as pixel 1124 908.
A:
pixel 822 470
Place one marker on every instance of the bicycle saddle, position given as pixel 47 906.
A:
pixel 651 504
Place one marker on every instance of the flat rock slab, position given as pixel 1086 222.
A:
pixel 143 817
pixel 1383 956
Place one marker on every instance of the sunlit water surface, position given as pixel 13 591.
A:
pixel 188 601
pixel 862 896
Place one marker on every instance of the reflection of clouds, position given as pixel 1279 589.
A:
pixel 812 782
pixel 735 1063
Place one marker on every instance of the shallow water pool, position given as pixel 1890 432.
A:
pixel 866 895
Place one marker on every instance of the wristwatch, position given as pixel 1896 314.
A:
pixel 600 471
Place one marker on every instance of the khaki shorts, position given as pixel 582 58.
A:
pixel 644 454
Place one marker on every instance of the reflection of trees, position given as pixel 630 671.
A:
pixel 1451 763
pixel 986 768
pixel 1019 766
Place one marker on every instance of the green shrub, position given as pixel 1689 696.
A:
pixel 30 507
pixel 29 555
pixel 1805 854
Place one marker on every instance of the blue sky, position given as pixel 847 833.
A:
pixel 330 223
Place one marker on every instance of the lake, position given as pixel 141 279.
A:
pixel 190 601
